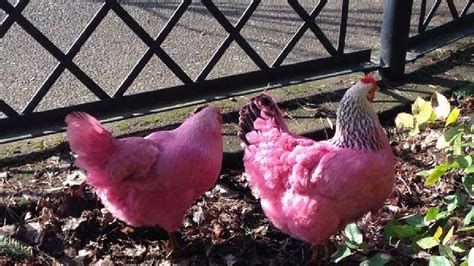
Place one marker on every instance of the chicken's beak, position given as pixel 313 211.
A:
pixel 371 94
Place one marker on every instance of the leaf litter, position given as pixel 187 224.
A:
pixel 49 208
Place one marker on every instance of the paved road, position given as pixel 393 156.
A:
pixel 113 49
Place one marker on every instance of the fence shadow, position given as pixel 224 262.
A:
pixel 426 75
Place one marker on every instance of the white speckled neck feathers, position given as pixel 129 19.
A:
pixel 357 124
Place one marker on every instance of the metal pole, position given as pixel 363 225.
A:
pixel 394 37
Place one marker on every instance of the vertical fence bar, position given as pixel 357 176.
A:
pixel 394 37
pixel 421 19
pixel 342 29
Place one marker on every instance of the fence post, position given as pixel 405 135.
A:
pixel 394 37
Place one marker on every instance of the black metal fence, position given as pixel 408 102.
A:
pixel 395 43
pixel 398 47
pixel 462 25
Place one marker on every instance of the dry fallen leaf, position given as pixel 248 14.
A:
pixel 7 230
pixel 137 251
pixel 217 229
pixel 75 179
pixel 73 223
pixel 226 191
pixel 107 217
pixel 84 253
pixel 127 230
pixel 46 216
pixel 441 106
pixel 105 261
pixel 261 230
pixel 198 215
pixel 4 175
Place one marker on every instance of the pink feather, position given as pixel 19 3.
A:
pixel 310 189
pixel 153 180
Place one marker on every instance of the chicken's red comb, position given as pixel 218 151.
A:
pixel 368 79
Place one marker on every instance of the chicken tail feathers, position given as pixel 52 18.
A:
pixel 260 114
pixel 89 140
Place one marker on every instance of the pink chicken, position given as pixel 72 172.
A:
pixel 311 189
pixel 152 180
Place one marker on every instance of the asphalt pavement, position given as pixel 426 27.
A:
pixel 113 49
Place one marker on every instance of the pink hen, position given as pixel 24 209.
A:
pixel 311 189
pixel 153 180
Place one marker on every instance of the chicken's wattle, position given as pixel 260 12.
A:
pixel 311 189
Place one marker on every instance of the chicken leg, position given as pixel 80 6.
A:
pixel 321 254
pixel 175 248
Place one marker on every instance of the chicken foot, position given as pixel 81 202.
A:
pixel 175 247
pixel 321 254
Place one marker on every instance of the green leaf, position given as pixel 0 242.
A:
pixel 448 236
pixel 438 233
pixel 450 133
pixel 454 165
pixel 414 247
pixel 464 91
pixel 470 257
pixel 458 247
pixel 422 110
pixel 453 116
pixel 457 145
pixel 364 246
pixel 427 242
pixel 445 140
pixel 354 238
pixel 467 220
pixel 470 144
pixel 394 229
pixel 439 261
pixel 442 215
pixel 415 131
pixel 432 117
pixel 441 106
pixel 468 182
pixel 377 259
pixel 466 229
pixel 340 254
pixel 416 220
pixel 446 252
pixel 353 233
pixel 469 169
pixel 464 161
pixel 423 173
pixel 431 214
pixel 436 173
pixel 454 201
pixel 351 244
pixel 404 120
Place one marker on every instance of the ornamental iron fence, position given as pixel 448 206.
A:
pixel 397 48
